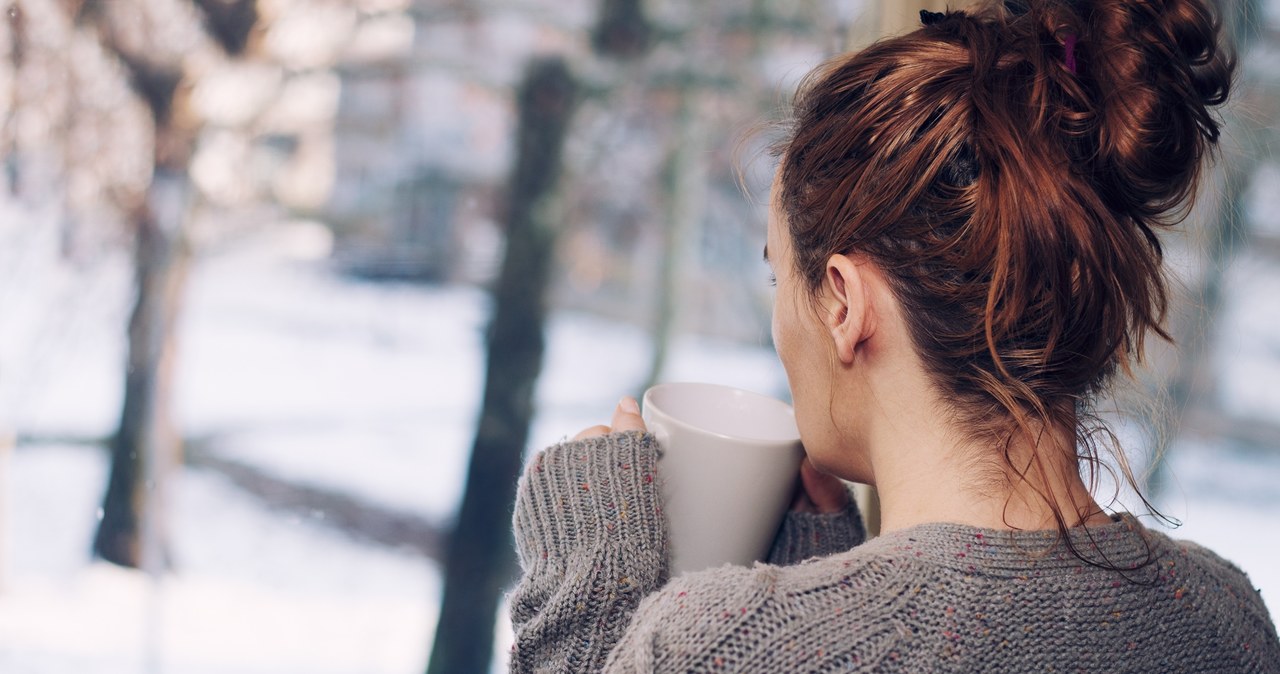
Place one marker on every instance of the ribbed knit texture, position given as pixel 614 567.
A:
pixel 936 597
pixel 805 535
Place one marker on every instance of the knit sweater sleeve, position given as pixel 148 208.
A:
pixel 806 535
pixel 592 542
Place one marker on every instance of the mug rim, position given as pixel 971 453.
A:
pixel 761 442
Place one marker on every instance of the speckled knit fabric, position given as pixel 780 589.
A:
pixel 934 598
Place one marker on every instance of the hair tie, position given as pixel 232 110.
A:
pixel 1069 50
pixel 929 18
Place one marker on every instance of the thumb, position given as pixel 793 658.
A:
pixel 626 417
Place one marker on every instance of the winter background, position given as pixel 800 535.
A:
pixel 308 389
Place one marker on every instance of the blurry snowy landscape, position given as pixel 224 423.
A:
pixel 327 420
pixel 371 389
pixel 367 389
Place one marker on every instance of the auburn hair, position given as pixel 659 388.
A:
pixel 1010 167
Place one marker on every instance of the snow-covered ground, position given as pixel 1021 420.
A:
pixel 372 390
pixel 253 591
pixel 369 389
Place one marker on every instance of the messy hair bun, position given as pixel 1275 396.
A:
pixel 1141 104
pixel 1009 168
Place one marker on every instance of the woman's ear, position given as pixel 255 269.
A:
pixel 846 306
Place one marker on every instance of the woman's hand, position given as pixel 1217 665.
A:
pixel 626 417
pixel 818 492
pixel 822 521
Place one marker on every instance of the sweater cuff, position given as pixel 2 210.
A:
pixel 806 535
pixel 600 492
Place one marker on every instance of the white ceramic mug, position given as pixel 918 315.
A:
pixel 729 466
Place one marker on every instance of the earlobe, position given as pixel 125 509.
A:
pixel 846 306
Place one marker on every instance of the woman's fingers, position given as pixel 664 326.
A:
pixel 626 417
pixel 827 493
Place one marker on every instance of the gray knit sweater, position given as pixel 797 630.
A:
pixel 938 597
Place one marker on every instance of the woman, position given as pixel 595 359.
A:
pixel 963 230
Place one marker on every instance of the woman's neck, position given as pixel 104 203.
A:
pixel 906 439
pixel 925 477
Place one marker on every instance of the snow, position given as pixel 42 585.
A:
pixel 252 591
pixel 365 388
pixel 372 389
pixel 289 367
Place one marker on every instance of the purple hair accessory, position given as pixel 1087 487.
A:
pixel 1069 47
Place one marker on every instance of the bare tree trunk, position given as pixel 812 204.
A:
pixel 131 532
pixel 145 446
pixel 479 562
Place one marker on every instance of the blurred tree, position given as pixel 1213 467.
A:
pixel 229 23
pixel 145 442
pixel 478 560
pixel 622 31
